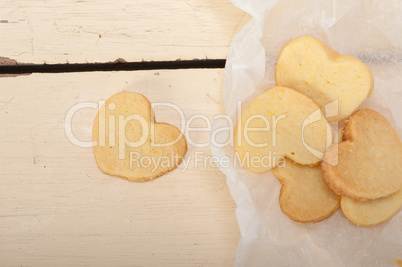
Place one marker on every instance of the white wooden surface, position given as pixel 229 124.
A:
pixel 58 209
pixel 79 31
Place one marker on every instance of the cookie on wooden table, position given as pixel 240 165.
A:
pixel 128 143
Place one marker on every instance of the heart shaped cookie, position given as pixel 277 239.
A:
pixel 371 212
pixel 280 122
pixel 367 163
pixel 309 66
pixel 128 143
pixel 305 197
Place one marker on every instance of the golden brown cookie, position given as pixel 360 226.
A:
pixel 128 143
pixel 305 197
pixel 309 66
pixel 371 212
pixel 281 122
pixel 368 161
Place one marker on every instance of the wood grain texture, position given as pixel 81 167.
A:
pixel 80 31
pixel 58 209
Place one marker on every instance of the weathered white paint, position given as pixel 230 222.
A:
pixel 39 31
pixel 58 209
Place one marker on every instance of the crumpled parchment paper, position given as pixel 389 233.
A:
pixel 370 30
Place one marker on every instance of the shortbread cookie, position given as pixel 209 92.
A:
pixel 305 196
pixel 128 143
pixel 309 66
pixel 281 122
pixel 368 161
pixel 371 212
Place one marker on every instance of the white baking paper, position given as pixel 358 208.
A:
pixel 370 30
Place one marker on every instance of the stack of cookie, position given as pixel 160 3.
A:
pixel 315 86
pixel 365 168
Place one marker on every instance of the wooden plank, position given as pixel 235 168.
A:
pixel 57 208
pixel 38 31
